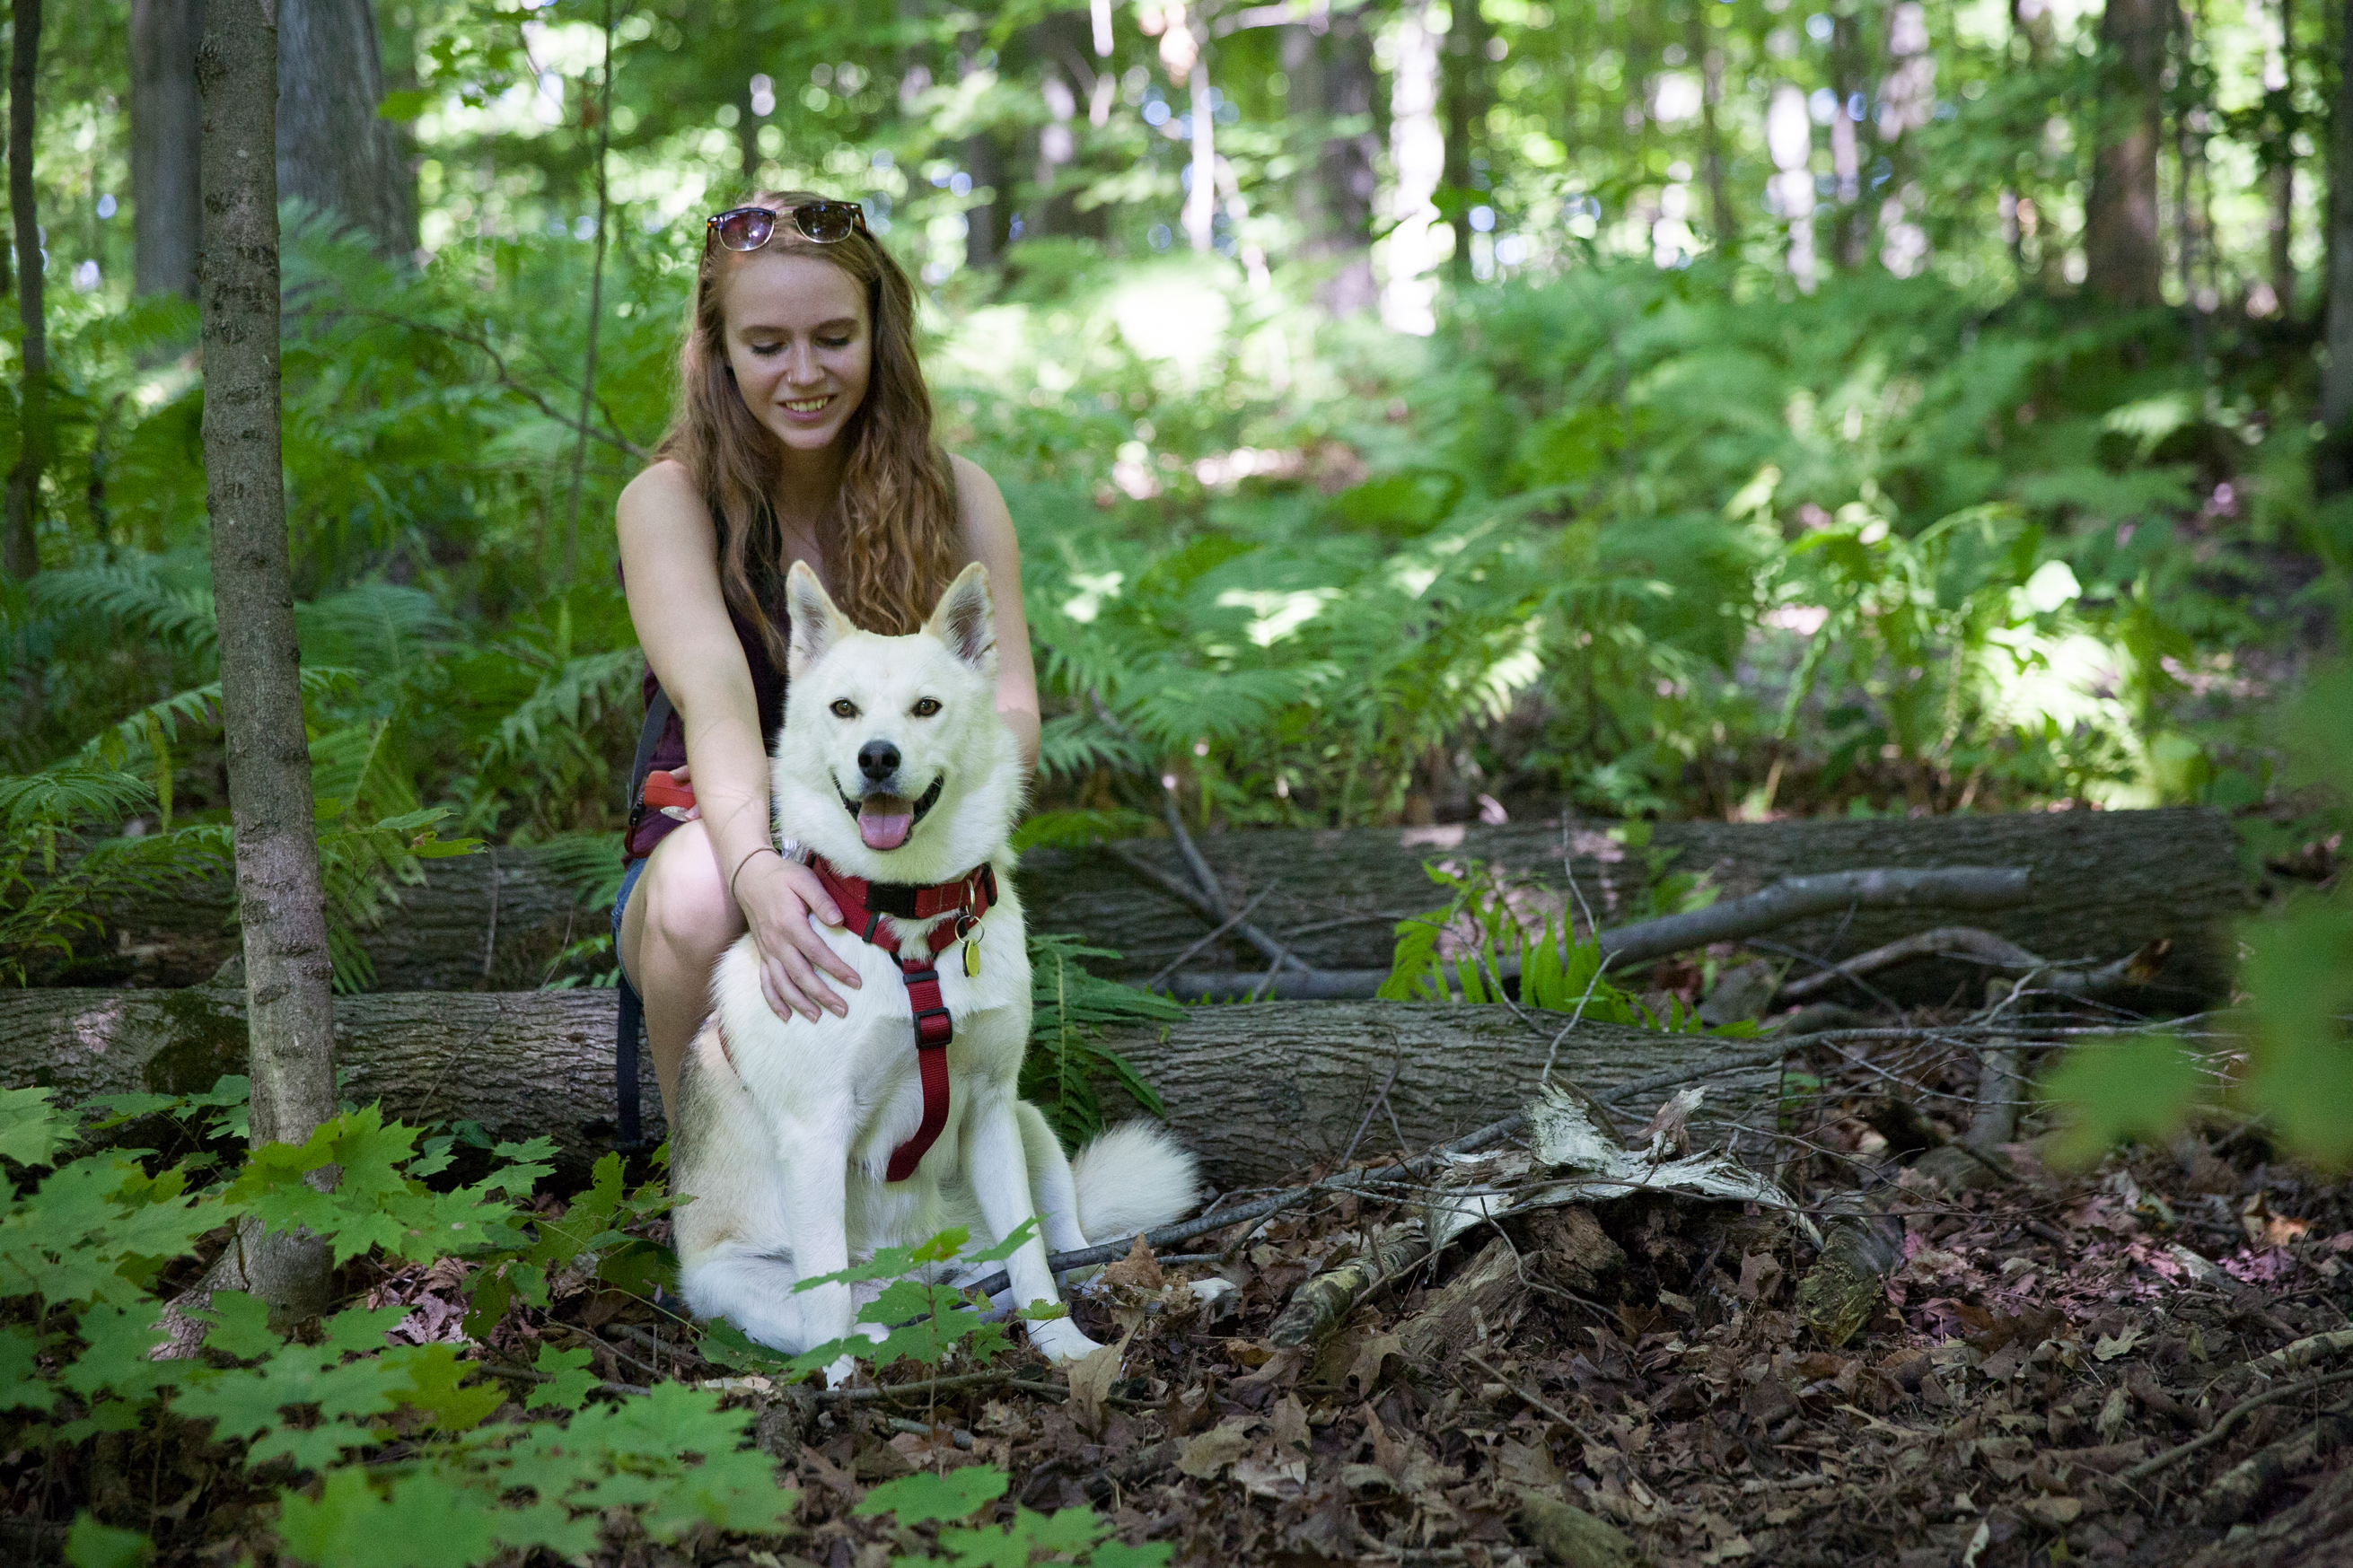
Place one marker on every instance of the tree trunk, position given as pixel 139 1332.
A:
pixel 22 547
pixel 1723 226
pixel 2104 883
pixel 2123 259
pixel 1465 87
pixel 163 118
pixel 1332 79
pixel 2333 457
pixel 1850 229
pixel 2281 179
pixel 281 908
pixel 1259 1093
pixel 334 152
pixel 1417 163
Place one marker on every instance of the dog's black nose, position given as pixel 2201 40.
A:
pixel 877 759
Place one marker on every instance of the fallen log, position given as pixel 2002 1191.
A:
pixel 1259 1093
pixel 2105 883
pixel 1622 947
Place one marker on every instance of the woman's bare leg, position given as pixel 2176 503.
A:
pixel 678 920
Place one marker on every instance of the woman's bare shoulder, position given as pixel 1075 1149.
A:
pixel 662 497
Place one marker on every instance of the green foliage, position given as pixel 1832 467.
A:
pixel 1071 1008
pixel 913 1319
pixel 1460 951
pixel 1072 1534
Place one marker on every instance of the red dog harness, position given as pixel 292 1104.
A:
pixel 863 905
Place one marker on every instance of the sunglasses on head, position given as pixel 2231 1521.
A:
pixel 824 223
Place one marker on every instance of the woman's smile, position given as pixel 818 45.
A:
pixel 798 342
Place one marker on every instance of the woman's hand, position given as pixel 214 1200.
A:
pixel 780 900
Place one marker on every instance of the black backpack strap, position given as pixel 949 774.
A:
pixel 629 1027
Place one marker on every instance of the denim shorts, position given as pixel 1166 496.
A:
pixel 621 903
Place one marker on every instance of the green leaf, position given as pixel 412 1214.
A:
pixel 240 1325
pixel 924 1496
pixel 360 1330
pixel 419 1522
pixel 2114 1089
pixel 21 1384
pixel 569 1379
pixel 89 1544
pixel 30 1128
pixel 434 1374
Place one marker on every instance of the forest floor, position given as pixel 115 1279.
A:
pixel 2061 1366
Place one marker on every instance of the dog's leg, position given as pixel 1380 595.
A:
pixel 998 1162
pixel 816 1216
pixel 1051 1185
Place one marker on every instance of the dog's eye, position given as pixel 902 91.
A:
pixel 926 706
pixel 843 708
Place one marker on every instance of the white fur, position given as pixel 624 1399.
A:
pixel 779 1158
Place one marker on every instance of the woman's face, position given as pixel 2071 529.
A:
pixel 800 344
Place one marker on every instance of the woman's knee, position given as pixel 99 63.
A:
pixel 687 908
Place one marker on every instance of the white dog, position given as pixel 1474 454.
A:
pixel 799 1143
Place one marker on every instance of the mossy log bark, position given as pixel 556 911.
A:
pixel 2103 884
pixel 1260 1093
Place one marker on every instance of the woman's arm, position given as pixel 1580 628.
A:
pixel 988 539
pixel 670 558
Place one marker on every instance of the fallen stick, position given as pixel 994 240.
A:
pixel 1999 956
pixel 2221 1428
pixel 1790 900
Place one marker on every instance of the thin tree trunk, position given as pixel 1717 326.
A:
pixel 1417 163
pixel 2123 259
pixel 1331 78
pixel 23 546
pixel 280 904
pixel 2333 462
pixel 1723 225
pixel 596 304
pixel 1465 87
pixel 164 117
pixel 1850 229
pixel 334 152
pixel 1201 198
pixel 2283 174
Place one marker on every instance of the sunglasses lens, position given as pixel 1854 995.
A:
pixel 746 228
pixel 826 222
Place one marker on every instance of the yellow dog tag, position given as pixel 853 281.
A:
pixel 971 958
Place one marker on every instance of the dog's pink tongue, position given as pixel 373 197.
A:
pixel 884 821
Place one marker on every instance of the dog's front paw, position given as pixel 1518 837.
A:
pixel 839 1372
pixel 1060 1340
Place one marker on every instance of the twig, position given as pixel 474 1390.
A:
pixel 1177 888
pixel 1527 1397
pixel 507 378
pixel 1203 877
pixel 1170 967
pixel 1396 1061
pixel 2221 1428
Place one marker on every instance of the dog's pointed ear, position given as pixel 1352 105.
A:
pixel 966 619
pixel 817 624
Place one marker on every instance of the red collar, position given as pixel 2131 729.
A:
pixel 863 905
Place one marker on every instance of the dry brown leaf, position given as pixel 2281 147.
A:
pixel 1366 1368
pixel 1139 1270
pixel 1091 1383
pixel 1208 1452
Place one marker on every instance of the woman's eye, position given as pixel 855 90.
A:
pixel 926 706
pixel 843 708
pixel 833 342
pixel 766 351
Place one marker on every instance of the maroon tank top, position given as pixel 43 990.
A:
pixel 670 746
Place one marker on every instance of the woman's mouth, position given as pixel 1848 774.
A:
pixel 807 407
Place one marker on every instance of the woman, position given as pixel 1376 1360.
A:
pixel 803 433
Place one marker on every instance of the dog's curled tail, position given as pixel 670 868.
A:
pixel 1133 1178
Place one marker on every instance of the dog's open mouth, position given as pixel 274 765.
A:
pixel 885 820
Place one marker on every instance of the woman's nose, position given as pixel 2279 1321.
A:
pixel 800 364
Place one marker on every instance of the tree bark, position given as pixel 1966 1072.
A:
pixel 1465 87
pixel 2123 259
pixel 2333 458
pixel 164 119
pixel 2281 177
pixel 1851 230
pixel 281 908
pixel 22 547
pixel 1332 79
pixel 334 152
pixel 2104 882
pixel 1259 1093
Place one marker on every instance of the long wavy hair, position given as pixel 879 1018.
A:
pixel 889 539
